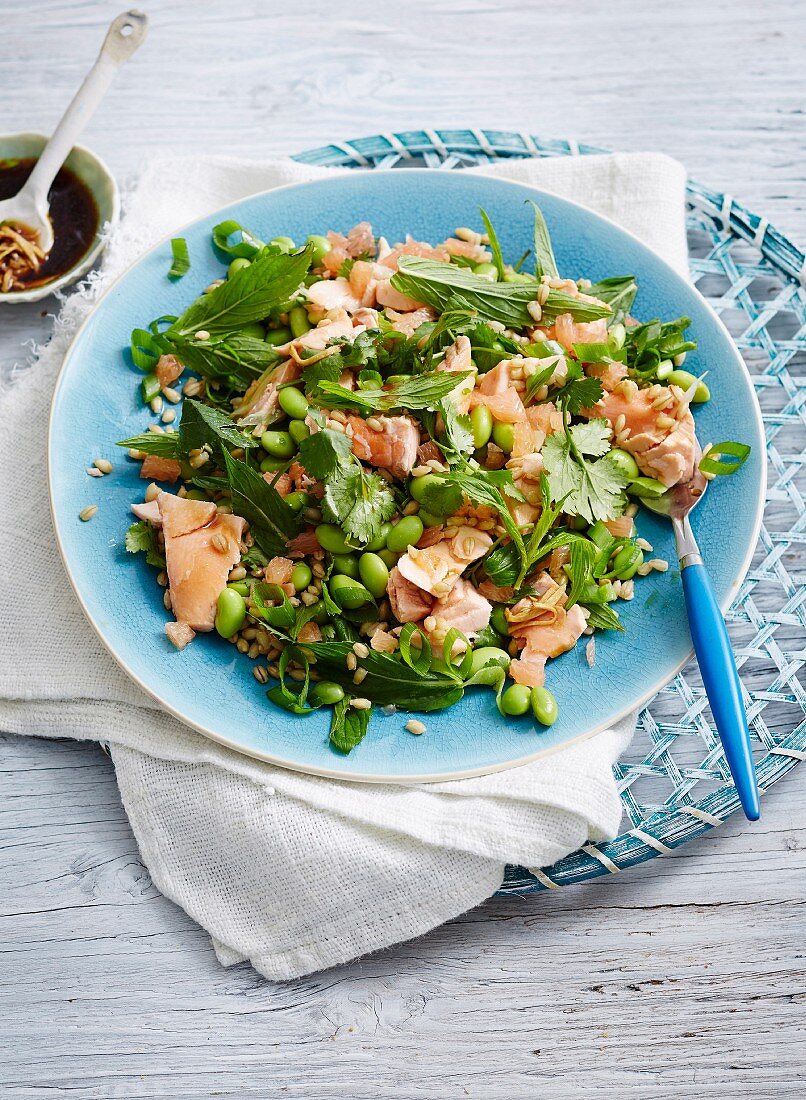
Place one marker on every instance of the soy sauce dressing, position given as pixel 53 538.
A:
pixel 73 213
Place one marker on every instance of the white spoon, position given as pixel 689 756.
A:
pixel 29 207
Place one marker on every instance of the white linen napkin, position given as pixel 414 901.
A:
pixel 293 872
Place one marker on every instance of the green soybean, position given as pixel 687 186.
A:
pixel 278 444
pixel 298 321
pixel 298 430
pixel 488 655
pixel 498 620
pixel 238 265
pixel 430 519
pixel 298 500
pixel 544 706
pixel 346 592
pixel 504 437
pixel 326 693
pixel 195 494
pixel 405 532
pixel 481 425
pixel 685 380
pixel 301 576
pixel 269 465
pixel 624 463
pixel 332 539
pixel 388 557
pixel 321 246
pixel 241 587
pixel 379 542
pixel 294 402
pixel 516 700
pixel 346 564
pixel 319 612
pixel 230 612
pixel 374 574
pixel 277 336
pixel 487 271
pixel 285 244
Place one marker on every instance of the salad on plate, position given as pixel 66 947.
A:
pixel 405 470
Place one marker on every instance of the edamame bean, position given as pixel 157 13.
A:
pixel 278 336
pixel 346 564
pixel 278 444
pixel 498 620
pixel 298 500
pixel 230 612
pixel 488 655
pixel 504 437
pixel 298 430
pixel 544 706
pixel 405 532
pixel 320 613
pixel 298 321
pixel 238 265
pixel 270 465
pixel 346 592
pixel 195 494
pixel 515 700
pixel 487 271
pixel 626 562
pixel 624 463
pixel 285 244
pixel 293 402
pixel 685 380
pixel 326 693
pixel 481 425
pixel 388 557
pixel 332 539
pixel 241 587
pixel 301 576
pixel 430 519
pixel 255 330
pixel 321 246
pixel 419 486
pixel 379 542
pixel 374 574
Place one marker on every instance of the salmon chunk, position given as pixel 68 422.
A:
pixel 463 608
pixel 437 568
pixel 392 446
pixel 154 468
pixel 495 390
pixel 333 294
pixel 457 360
pixel 260 402
pixel 408 602
pixel 546 635
pixel 168 369
pixel 201 547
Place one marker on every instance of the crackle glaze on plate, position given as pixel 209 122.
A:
pixel 209 685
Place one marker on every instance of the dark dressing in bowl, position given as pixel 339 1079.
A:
pixel 73 213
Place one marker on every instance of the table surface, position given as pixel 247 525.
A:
pixel 681 978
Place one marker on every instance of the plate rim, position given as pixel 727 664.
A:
pixel 407 780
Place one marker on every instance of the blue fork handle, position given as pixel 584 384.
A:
pixel 718 668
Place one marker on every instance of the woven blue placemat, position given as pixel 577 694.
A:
pixel 674 782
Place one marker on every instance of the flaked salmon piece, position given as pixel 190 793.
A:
pixel 659 434
pixel 278 571
pixel 338 327
pixel 429 452
pixel 409 603
pixel 436 568
pixel 545 418
pixel 304 543
pixel 430 536
pixel 364 278
pixel 283 484
pixel 154 468
pixel 567 331
pixel 179 634
pixel 463 608
pixel 383 642
pixel 543 640
pixel 302 480
pixel 495 390
pixel 387 296
pixel 358 241
pixel 526 470
pixel 609 374
pixel 367 317
pixel 149 511
pixel 468 251
pixel 333 294
pixel 496 593
pixel 408 323
pixel 620 527
pixel 200 551
pixel 524 513
pixel 393 448
pixel 259 403
pixel 310 632
pixel 414 248
pixel 457 360
pixel 168 369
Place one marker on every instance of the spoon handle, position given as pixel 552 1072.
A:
pixel 718 669
pixel 125 34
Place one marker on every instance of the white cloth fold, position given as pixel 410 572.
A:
pixel 293 872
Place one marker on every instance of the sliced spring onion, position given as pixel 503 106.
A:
pixel 145 350
pixel 738 452
pixel 422 662
pixel 246 246
pixel 181 263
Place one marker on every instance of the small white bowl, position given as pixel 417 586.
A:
pixel 92 171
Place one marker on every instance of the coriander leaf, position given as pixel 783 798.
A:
pixel 459 437
pixel 441 498
pixel 580 393
pixel 322 452
pixel 358 501
pixel 247 296
pixel 495 247
pixel 328 369
pixel 271 521
pixel 203 425
pixel 163 445
pixel 592 490
pixel 545 264
pixel 142 538
pixel 342 491
pixel 348 726
pixel 181 258
pixel 421 391
pixel 480 488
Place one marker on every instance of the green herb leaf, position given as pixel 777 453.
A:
pixel 593 490
pixel 545 264
pixel 236 357
pixel 204 425
pixel 321 453
pixel 348 726
pixel 271 521
pixel 481 489
pixel 619 293
pixel 163 445
pixel 738 452
pixel 422 391
pixel 181 258
pixel 458 436
pixel 495 247
pixel 247 296
pixel 142 538
pixel 360 502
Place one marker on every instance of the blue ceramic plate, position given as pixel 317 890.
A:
pixel 210 686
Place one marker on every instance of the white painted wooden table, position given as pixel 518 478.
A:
pixel 682 978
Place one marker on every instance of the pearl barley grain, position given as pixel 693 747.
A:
pixel 416 727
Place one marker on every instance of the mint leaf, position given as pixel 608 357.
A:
pixel 142 538
pixel 348 726
pixel 235 356
pixel 545 264
pixel 271 521
pixel 422 391
pixel 163 445
pixel 619 293
pixel 205 425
